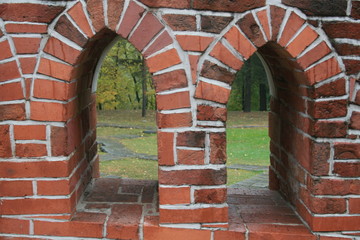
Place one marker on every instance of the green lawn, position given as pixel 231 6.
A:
pixel 244 145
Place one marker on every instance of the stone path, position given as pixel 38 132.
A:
pixel 115 150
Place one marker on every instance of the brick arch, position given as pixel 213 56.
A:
pixel 303 68
pixel 63 88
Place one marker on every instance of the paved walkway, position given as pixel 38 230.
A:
pixel 115 150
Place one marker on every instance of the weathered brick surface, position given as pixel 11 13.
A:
pixel 68 30
pixel 181 22
pixel 227 5
pixel 319 7
pixel 5 147
pixel 251 29
pixel 27 12
pixel 214 24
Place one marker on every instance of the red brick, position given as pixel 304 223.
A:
pixel 223 54
pixel 78 15
pixel 329 129
pixel 214 24
pixel 193 177
pixel 48 188
pixel 328 109
pixel 240 42
pixel 323 205
pixel 124 221
pixel 12 112
pixel 170 80
pixel 332 238
pixel 47 111
pixel 251 29
pixel 181 22
pixel 334 186
pixel 16 188
pixel 152 231
pixel 9 71
pixel 31 150
pixel 27 12
pixel 34 206
pixel 209 113
pixel 354 205
pixel 68 30
pixel 291 28
pixel 64 140
pixel 191 139
pixel 173 101
pixel 5 50
pixel 212 92
pixel 315 54
pixel 342 29
pixel 355 11
pixel 163 60
pixel 174 120
pixel 277 16
pixel 27 65
pixel 215 72
pixel 56 69
pixel 30 132
pixel 26 45
pixel 190 157
pixel 227 5
pixel 345 169
pixel 302 41
pixel 11 91
pixel 62 51
pixel 203 215
pixel 161 42
pixel 14 226
pixel 211 196
pixel 146 31
pixel 279 232
pixel 354 120
pixel 352 66
pixel 194 43
pixel 345 49
pixel 115 8
pixel 180 195
pixel 166 148
pixel 264 21
pixel 95 9
pixel 319 7
pixel 48 89
pixel 84 225
pixel 218 148
pixel 25 28
pixel 167 3
pixel 335 88
pixel 132 16
pixel 347 151
pixel 338 223
pixel 219 235
pixel 194 60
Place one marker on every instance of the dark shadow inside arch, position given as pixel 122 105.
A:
pixel 111 188
pixel 288 144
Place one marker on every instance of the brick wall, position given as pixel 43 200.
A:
pixel 49 53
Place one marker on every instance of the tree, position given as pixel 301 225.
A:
pixel 250 90
pixel 124 82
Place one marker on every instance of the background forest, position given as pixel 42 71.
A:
pixel 125 83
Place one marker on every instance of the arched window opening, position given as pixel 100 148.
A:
pixel 126 115
pixel 247 127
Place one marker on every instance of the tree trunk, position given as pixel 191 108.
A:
pixel 144 91
pixel 247 89
pixel 263 100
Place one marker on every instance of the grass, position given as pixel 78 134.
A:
pixel 248 146
pixel 130 168
pixel 244 145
